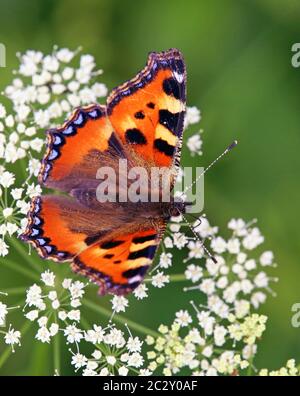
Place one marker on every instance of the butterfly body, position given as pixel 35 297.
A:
pixel 113 242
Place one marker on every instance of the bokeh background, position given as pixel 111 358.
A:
pixel 238 55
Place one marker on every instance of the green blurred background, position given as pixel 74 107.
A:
pixel 238 55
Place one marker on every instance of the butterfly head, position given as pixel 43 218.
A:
pixel 175 208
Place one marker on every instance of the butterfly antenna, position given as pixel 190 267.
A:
pixel 200 240
pixel 226 151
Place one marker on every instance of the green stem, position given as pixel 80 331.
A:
pixel 173 278
pixel 121 319
pixel 56 351
pixel 17 245
pixel 19 268
pixel 14 290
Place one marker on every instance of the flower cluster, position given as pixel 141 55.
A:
pixel 289 370
pixel 55 307
pixel 14 205
pixel 112 353
pixel 46 88
pixel 232 278
pixel 11 336
pixel 198 344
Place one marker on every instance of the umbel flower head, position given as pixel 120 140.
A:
pixel 10 335
pixel 55 306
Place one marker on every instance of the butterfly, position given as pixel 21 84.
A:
pixel 112 243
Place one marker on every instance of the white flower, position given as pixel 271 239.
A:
pixel 257 299
pixel 218 245
pixel 64 55
pixel 41 118
pixel 180 240
pixel 43 321
pixel 266 258
pixel 123 371
pixel 7 179
pixel 3 313
pixel 43 334
pixel 219 335
pixel 250 265
pixel 74 314
pixel 206 322
pixel 50 63
pixel 95 335
pixel 115 337
pixel 111 360
pixel 73 334
pixel 135 360
pixel 77 289
pixel 48 278
pixel 233 246
pixel 183 318
pixel 79 360
pixel 119 303
pixel 145 372
pixel 55 304
pixel 16 193
pixel 253 239
pixel 33 190
pixel 62 315
pixel 12 337
pixel 2 111
pixel 3 248
pixel 207 351
pixel 207 286
pixel 193 272
pixel 9 121
pixel 67 73
pixel 238 226
pixel 32 315
pixel 134 344
pixel 53 329
pixel 195 249
pixel 100 90
pixel 160 279
pixel 192 116
pixel 168 242
pixel 66 284
pixel 261 280
pixel 242 308
pixel 104 372
pixel 97 354
pixel 141 291
pixel 33 296
pixel 194 144
pixel 165 260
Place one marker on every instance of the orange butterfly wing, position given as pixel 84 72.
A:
pixel 73 150
pixel 143 122
pixel 147 112
pixel 119 265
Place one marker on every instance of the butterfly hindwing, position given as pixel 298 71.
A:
pixel 119 265
pixel 108 254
